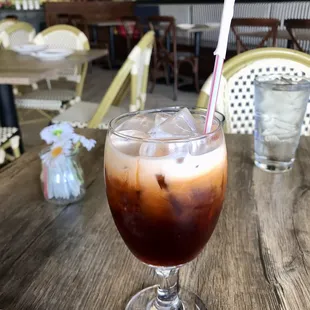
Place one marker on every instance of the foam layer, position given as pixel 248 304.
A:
pixel 136 169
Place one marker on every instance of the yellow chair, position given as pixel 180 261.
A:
pixel 132 76
pixel 54 99
pixel 5 23
pixel 9 140
pixel 236 96
pixel 17 33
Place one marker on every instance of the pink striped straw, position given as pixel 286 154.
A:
pixel 220 52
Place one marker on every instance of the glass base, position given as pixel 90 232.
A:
pixel 274 166
pixel 144 300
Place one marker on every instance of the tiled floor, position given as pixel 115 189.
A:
pixel 97 82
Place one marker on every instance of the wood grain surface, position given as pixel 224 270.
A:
pixel 24 70
pixel 73 257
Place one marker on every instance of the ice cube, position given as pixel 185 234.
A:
pixel 160 118
pixel 160 149
pixel 139 122
pixel 179 125
pixel 127 145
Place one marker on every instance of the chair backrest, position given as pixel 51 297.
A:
pixel 270 24
pixel 132 75
pixel 296 28
pixel 132 28
pixel 16 34
pixel 165 33
pixel 68 37
pixel 7 22
pixel 75 20
pixel 236 97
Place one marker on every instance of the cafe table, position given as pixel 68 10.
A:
pixel 16 69
pixel 72 257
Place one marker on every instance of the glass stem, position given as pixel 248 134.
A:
pixel 167 292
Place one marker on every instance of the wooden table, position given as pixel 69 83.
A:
pixel 73 257
pixel 24 70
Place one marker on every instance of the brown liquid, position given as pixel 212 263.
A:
pixel 170 223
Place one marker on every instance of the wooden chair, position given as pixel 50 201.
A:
pixel 132 76
pixel 297 24
pixel 271 32
pixel 164 56
pixel 236 97
pixel 76 20
pixel 133 30
pixel 56 99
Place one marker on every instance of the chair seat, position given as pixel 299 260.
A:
pixel 81 113
pixel 6 133
pixel 46 99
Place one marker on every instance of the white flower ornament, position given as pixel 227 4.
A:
pixel 57 132
pixel 63 141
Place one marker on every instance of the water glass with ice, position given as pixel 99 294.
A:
pixel 280 106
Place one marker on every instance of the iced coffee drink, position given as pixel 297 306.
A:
pixel 165 182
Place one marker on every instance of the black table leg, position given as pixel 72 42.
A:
pixel 191 87
pixel 289 44
pixel 8 114
pixel 197 44
pixel 112 45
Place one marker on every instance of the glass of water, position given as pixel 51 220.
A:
pixel 280 106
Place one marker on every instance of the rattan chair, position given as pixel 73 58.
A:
pixel 132 76
pixel 9 140
pixel 16 34
pixel 236 97
pixel 55 99
pixel 5 23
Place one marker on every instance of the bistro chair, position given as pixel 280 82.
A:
pixel 296 28
pixel 270 24
pixel 17 33
pixel 7 22
pixel 9 141
pixel 57 99
pixel 132 30
pixel 80 22
pixel 132 76
pixel 165 52
pixel 236 97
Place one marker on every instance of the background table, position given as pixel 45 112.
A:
pixel 18 69
pixel 73 258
